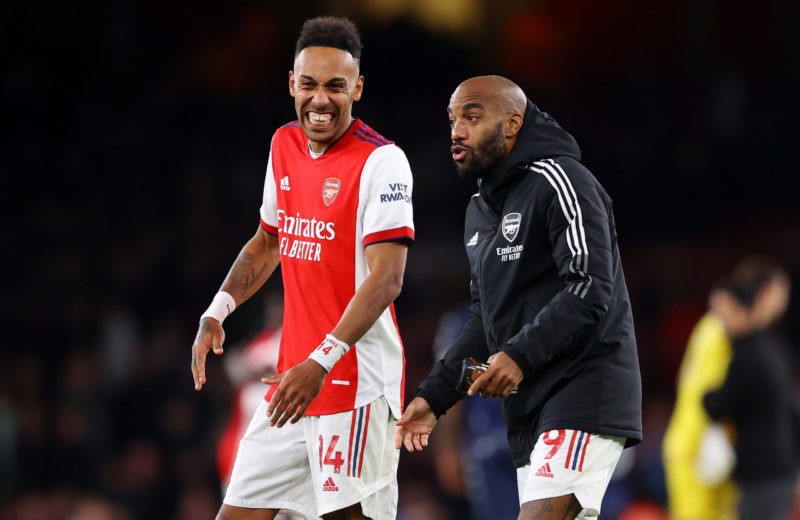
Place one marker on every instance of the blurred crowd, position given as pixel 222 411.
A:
pixel 135 160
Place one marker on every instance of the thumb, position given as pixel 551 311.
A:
pixel 479 382
pixel 216 343
pixel 272 380
pixel 409 417
pixel 398 438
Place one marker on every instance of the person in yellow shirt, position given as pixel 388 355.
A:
pixel 703 368
pixel 699 454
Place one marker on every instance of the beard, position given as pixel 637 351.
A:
pixel 485 157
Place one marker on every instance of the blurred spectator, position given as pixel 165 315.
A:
pixel 703 367
pixel 698 489
pixel 8 443
pixel 643 510
pixel 98 508
pixel 757 397
pixel 473 459
pixel 120 344
pixel 245 366
pixel 197 504
pixel 420 502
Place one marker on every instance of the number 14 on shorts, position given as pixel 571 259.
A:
pixel 332 457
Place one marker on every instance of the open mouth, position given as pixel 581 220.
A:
pixel 459 152
pixel 319 120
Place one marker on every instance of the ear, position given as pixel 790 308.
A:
pixel 291 83
pixel 513 124
pixel 359 88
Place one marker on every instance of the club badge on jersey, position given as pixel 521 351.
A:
pixel 330 190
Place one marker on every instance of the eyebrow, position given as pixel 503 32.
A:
pixel 337 79
pixel 468 106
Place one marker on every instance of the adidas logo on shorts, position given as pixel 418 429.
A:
pixel 544 471
pixel 330 485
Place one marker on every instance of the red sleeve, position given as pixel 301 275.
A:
pixel 402 234
pixel 272 230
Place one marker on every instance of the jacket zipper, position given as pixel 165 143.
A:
pixel 491 338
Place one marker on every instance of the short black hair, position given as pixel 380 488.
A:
pixel 330 31
pixel 751 275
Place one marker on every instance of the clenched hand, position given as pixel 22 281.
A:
pixel 500 379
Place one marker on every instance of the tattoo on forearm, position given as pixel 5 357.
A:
pixel 245 275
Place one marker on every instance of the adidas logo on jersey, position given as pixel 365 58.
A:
pixel 330 485
pixel 285 184
pixel 544 471
pixel 474 240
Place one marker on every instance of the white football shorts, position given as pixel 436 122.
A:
pixel 565 462
pixel 319 465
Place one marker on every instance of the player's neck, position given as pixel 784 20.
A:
pixel 312 153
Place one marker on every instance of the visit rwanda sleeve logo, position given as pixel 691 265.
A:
pixel 397 191
pixel 511 226
pixel 330 190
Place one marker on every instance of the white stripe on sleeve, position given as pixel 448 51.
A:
pixel 576 233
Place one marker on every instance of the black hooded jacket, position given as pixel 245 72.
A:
pixel 548 290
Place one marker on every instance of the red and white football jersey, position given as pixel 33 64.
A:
pixel 325 212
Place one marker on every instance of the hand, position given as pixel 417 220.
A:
pixel 415 426
pixel 210 336
pixel 297 387
pixel 502 376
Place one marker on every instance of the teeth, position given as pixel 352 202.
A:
pixel 319 119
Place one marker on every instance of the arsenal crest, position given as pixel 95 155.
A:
pixel 330 190
pixel 511 226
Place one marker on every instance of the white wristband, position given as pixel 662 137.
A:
pixel 221 306
pixel 329 352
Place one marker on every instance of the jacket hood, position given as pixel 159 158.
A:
pixel 541 137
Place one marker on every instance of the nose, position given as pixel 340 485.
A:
pixel 458 131
pixel 320 98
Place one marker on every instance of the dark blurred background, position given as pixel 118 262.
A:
pixel 135 143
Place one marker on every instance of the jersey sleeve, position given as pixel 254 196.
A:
pixel 388 211
pixel 269 202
